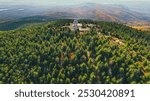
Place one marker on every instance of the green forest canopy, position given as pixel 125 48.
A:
pixel 52 53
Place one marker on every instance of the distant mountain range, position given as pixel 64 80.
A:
pixel 104 12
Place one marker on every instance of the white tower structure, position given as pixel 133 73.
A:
pixel 75 25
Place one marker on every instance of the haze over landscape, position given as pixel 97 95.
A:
pixel 130 12
pixel 35 6
pixel 137 5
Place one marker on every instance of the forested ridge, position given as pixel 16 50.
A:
pixel 22 22
pixel 53 53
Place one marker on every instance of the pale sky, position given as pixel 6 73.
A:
pixel 63 2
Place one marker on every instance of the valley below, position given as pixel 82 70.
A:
pixel 98 12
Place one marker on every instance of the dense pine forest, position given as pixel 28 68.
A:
pixel 105 53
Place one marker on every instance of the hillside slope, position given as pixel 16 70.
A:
pixel 53 53
pixel 14 24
